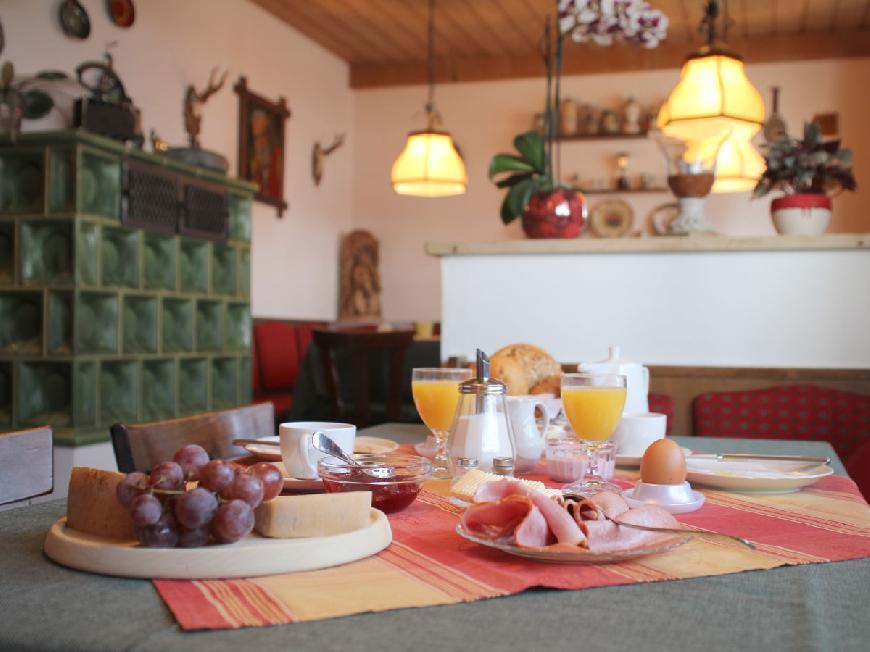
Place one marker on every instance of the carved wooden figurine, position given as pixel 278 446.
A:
pixel 319 154
pixel 359 279
pixel 193 101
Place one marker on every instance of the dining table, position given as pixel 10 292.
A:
pixel 815 606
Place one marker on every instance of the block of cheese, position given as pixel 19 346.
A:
pixel 313 515
pixel 466 486
pixel 93 507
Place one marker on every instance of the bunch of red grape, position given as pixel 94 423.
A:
pixel 220 508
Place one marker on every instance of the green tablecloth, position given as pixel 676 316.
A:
pixel 815 607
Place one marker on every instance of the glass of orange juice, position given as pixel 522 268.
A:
pixel 436 393
pixel 593 404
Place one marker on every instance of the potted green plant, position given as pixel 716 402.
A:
pixel 809 172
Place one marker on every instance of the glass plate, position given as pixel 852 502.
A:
pixel 582 556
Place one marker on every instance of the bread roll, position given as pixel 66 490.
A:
pixel 549 385
pixel 535 364
pixel 511 373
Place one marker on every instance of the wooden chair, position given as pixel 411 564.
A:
pixel 140 446
pixel 26 464
pixel 359 344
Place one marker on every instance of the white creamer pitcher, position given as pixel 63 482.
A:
pixel 528 437
pixel 637 379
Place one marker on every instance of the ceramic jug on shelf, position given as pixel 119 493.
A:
pixel 637 379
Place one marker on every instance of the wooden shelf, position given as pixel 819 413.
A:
pixel 567 139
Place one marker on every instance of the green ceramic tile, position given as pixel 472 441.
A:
pixel 20 322
pixel 140 324
pixel 209 325
pixel 60 322
pixel 223 269
pixel 96 319
pixel 158 264
pixel 120 249
pixel 177 325
pixel 99 185
pixel 193 267
pixel 44 394
pixel 87 258
pixel 192 385
pixel 119 391
pixel 61 180
pixel 158 389
pixel 85 394
pixel 223 382
pixel 240 218
pixel 47 251
pixel 7 253
pixel 21 181
pixel 238 327
pixel 245 379
pixel 244 272
pixel 5 393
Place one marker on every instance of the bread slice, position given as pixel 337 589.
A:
pixel 93 507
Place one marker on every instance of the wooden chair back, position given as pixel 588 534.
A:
pixel 359 344
pixel 26 464
pixel 138 447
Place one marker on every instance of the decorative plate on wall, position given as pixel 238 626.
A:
pixel 74 19
pixel 121 12
pixel 611 218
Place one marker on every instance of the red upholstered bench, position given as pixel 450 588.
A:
pixel 663 404
pixel 277 352
pixel 789 412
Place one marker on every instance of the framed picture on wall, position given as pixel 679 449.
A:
pixel 261 144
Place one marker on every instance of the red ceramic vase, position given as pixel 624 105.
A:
pixel 801 214
pixel 557 214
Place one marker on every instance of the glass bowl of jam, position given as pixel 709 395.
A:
pixel 393 478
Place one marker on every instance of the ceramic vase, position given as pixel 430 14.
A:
pixel 557 214
pixel 801 214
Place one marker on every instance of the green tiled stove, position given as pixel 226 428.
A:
pixel 124 286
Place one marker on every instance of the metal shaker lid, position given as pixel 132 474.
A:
pixel 482 383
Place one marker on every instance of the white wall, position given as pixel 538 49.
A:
pixel 177 42
pixel 485 116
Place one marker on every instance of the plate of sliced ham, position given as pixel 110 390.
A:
pixel 601 529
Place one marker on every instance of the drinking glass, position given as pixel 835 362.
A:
pixel 593 403
pixel 436 393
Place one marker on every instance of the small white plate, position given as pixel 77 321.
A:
pixel 673 508
pixel 754 476
pixel 362 444
pixel 632 460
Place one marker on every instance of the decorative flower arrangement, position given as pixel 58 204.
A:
pixel 599 21
pixel 809 166
pixel 550 208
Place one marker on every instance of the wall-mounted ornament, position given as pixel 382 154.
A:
pixel 121 12
pixel 194 100
pixel 74 19
pixel 359 279
pixel 319 154
pixel 261 144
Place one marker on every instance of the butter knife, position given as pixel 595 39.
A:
pixel 691 533
pixel 783 458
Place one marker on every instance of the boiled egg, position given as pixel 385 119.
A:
pixel 663 463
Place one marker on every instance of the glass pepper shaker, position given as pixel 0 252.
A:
pixel 481 428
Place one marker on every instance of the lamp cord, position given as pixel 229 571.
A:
pixel 431 111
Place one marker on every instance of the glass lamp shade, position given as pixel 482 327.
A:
pixel 429 166
pixel 738 166
pixel 712 96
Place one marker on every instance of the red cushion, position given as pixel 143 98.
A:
pixel 793 412
pixel 278 356
pixel 303 338
pixel 256 386
pixel 858 467
pixel 663 404
pixel 281 402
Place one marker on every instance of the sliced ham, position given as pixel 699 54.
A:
pixel 601 506
pixel 609 536
pixel 496 520
pixel 533 531
pixel 560 522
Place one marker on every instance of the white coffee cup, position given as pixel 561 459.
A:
pixel 636 431
pixel 298 454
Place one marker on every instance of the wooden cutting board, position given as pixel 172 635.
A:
pixel 250 557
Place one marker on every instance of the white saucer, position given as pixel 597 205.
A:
pixel 362 444
pixel 673 508
pixel 754 475
pixel 632 460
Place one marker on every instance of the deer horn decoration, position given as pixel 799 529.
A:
pixel 319 154
pixel 193 103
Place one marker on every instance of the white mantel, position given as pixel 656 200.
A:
pixel 707 300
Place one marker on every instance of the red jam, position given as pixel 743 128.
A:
pixel 390 494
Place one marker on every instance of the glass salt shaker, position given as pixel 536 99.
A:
pixel 481 428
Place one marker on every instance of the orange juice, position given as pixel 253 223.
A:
pixel 436 402
pixel 593 411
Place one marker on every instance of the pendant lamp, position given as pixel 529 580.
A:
pixel 430 165
pixel 713 95
pixel 738 166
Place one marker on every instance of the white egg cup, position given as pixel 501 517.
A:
pixel 676 498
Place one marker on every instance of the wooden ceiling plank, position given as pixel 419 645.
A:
pixel 687 11
pixel 849 14
pixel 525 22
pixel 399 39
pixel 403 17
pixel 481 17
pixel 456 19
pixel 298 21
pixel 335 17
pixel 315 14
pixel 820 15
pixel 865 22
pixel 789 16
pixel 578 61
pixel 761 18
